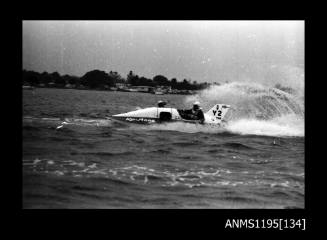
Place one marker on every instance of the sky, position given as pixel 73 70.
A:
pixel 204 51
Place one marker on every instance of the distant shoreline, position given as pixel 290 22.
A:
pixel 101 80
pixel 28 87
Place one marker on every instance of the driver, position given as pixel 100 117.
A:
pixel 196 112
pixel 161 104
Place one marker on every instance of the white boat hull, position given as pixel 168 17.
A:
pixel 163 115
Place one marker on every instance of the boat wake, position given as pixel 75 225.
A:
pixel 257 109
pixel 285 126
pixel 182 127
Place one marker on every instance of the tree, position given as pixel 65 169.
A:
pixel 145 82
pixel 71 79
pixel 135 81
pixel 31 78
pixel 161 80
pixel 57 79
pixel 45 78
pixel 185 84
pixel 130 77
pixel 115 77
pixel 173 83
pixel 96 79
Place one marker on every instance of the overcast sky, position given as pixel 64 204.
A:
pixel 198 50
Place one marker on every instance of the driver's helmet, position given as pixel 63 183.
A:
pixel 196 105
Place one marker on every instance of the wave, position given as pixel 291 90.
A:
pixel 165 177
pixel 236 145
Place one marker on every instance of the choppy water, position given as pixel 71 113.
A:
pixel 73 157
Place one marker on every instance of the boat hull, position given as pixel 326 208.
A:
pixel 154 115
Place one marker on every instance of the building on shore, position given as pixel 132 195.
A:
pixel 145 89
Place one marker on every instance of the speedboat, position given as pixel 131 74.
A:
pixel 165 114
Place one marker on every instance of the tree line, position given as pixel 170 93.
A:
pixel 97 79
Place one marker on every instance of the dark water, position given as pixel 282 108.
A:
pixel 91 162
